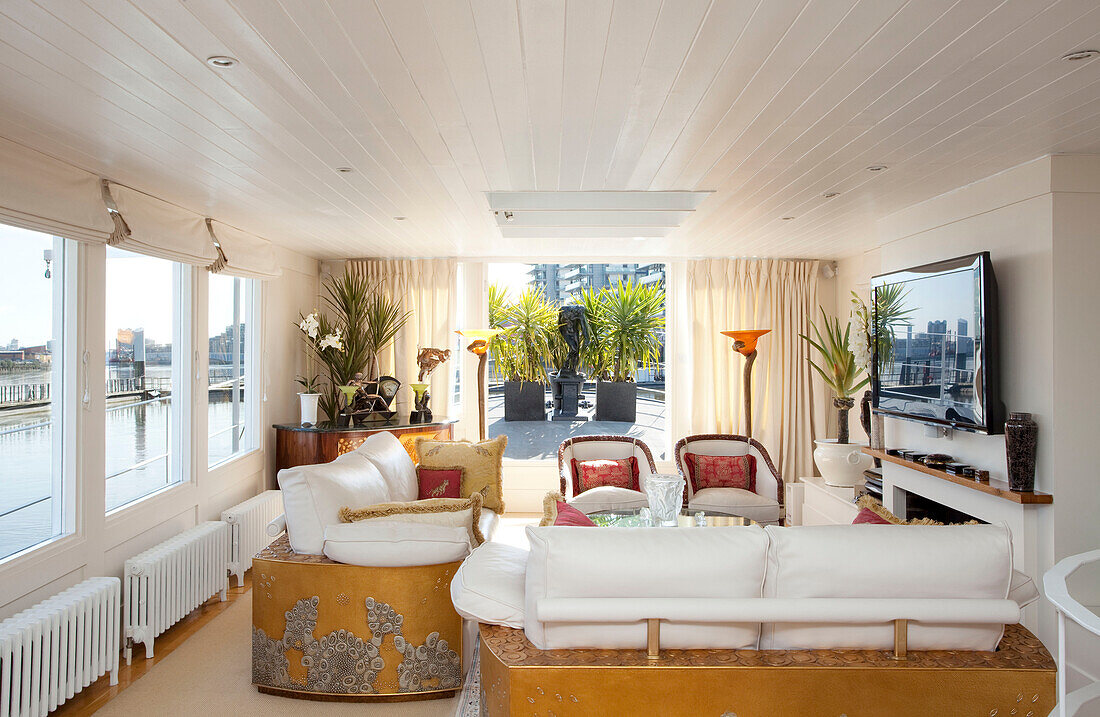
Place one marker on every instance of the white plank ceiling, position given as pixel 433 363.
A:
pixel 770 104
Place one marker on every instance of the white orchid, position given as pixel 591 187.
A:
pixel 860 330
pixel 332 341
pixel 310 326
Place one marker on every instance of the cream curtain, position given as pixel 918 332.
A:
pixel 427 288
pixel 720 294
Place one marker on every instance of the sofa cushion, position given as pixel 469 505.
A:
pixel 438 482
pixel 555 511
pixel 706 471
pixel 866 515
pixel 488 523
pixel 1022 590
pixel 452 512
pixel 389 456
pixel 738 502
pixel 880 561
pixel 615 472
pixel 608 498
pixel 489 585
pixel 314 494
pixel 395 545
pixel 482 462
pixel 630 563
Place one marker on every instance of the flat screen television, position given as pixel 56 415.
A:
pixel 938 364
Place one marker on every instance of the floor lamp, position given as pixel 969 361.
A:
pixel 479 346
pixel 744 343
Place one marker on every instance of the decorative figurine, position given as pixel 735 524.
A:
pixel 428 359
pixel 566 382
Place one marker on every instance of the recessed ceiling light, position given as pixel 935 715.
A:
pixel 786 219
pixel 876 168
pixel 344 170
pixel 1081 55
pixel 222 62
pixel 830 195
pixel 399 219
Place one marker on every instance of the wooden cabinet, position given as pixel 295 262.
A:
pixel 297 445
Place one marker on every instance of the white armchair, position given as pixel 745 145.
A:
pixel 591 448
pixel 765 505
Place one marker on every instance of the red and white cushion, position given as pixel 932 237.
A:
pixel 611 472
pixel 705 471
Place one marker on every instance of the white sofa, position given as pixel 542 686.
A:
pixel 828 587
pixel 378 471
pixel 765 505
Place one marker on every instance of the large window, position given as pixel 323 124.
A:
pixel 147 398
pixel 32 320
pixel 524 300
pixel 231 378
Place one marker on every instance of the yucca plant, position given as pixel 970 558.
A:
pixel 500 349
pixel 838 368
pixel 628 321
pixel 594 355
pixel 530 322
pixel 383 318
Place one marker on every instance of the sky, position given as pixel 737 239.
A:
pixel 139 292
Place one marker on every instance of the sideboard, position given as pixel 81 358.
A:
pixel 297 445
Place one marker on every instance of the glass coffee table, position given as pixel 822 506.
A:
pixel 642 518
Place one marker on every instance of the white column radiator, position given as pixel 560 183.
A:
pixel 168 581
pixel 55 649
pixel 248 529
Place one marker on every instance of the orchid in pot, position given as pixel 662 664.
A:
pixel 308 398
pixel 840 464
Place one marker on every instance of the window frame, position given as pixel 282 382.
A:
pixel 251 441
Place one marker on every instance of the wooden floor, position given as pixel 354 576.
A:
pixel 101 692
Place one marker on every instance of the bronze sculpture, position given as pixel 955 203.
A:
pixel 574 329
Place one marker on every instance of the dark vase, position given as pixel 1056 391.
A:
pixel 1021 441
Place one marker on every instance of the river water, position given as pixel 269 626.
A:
pixel 136 432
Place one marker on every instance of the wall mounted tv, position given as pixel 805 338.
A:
pixel 939 361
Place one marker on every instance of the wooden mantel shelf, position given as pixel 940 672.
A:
pixel 998 488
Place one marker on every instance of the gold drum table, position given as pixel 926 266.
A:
pixel 519 679
pixel 327 630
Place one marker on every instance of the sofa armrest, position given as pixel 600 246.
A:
pixel 276 527
pixel 957 611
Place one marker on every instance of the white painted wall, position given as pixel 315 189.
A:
pixel 101 544
pixel 1040 222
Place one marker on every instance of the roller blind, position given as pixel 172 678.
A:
pixel 154 227
pixel 242 254
pixel 40 193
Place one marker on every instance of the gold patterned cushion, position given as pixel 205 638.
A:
pixel 482 463
pixel 452 512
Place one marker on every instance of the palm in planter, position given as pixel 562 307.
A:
pixel 528 325
pixel 627 320
pixel 840 464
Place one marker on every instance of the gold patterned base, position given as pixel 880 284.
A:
pixel 519 679
pixel 326 630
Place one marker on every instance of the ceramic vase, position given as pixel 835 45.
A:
pixel 308 403
pixel 1021 441
pixel 666 496
pixel 841 464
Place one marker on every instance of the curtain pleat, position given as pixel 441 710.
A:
pixel 427 288
pixel 781 295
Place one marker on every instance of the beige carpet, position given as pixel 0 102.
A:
pixel 211 674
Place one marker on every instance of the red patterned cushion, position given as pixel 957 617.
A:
pixel 866 515
pixel 438 482
pixel 721 471
pixel 619 473
pixel 568 515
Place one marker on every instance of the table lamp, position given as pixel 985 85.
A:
pixel 744 343
pixel 479 346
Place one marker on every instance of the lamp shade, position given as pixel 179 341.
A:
pixel 747 338
pixel 476 335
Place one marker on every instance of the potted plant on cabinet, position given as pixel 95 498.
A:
pixel 626 321
pixel 308 398
pixel 520 351
pixel 840 462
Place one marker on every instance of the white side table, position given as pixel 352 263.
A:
pixel 824 504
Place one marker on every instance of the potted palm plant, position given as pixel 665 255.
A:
pixel 626 321
pixel 840 462
pixel 521 350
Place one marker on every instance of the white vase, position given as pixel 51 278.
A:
pixel 841 464
pixel 309 407
pixel 665 492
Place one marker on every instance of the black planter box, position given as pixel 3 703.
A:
pixel 616 401
pixel 524 401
